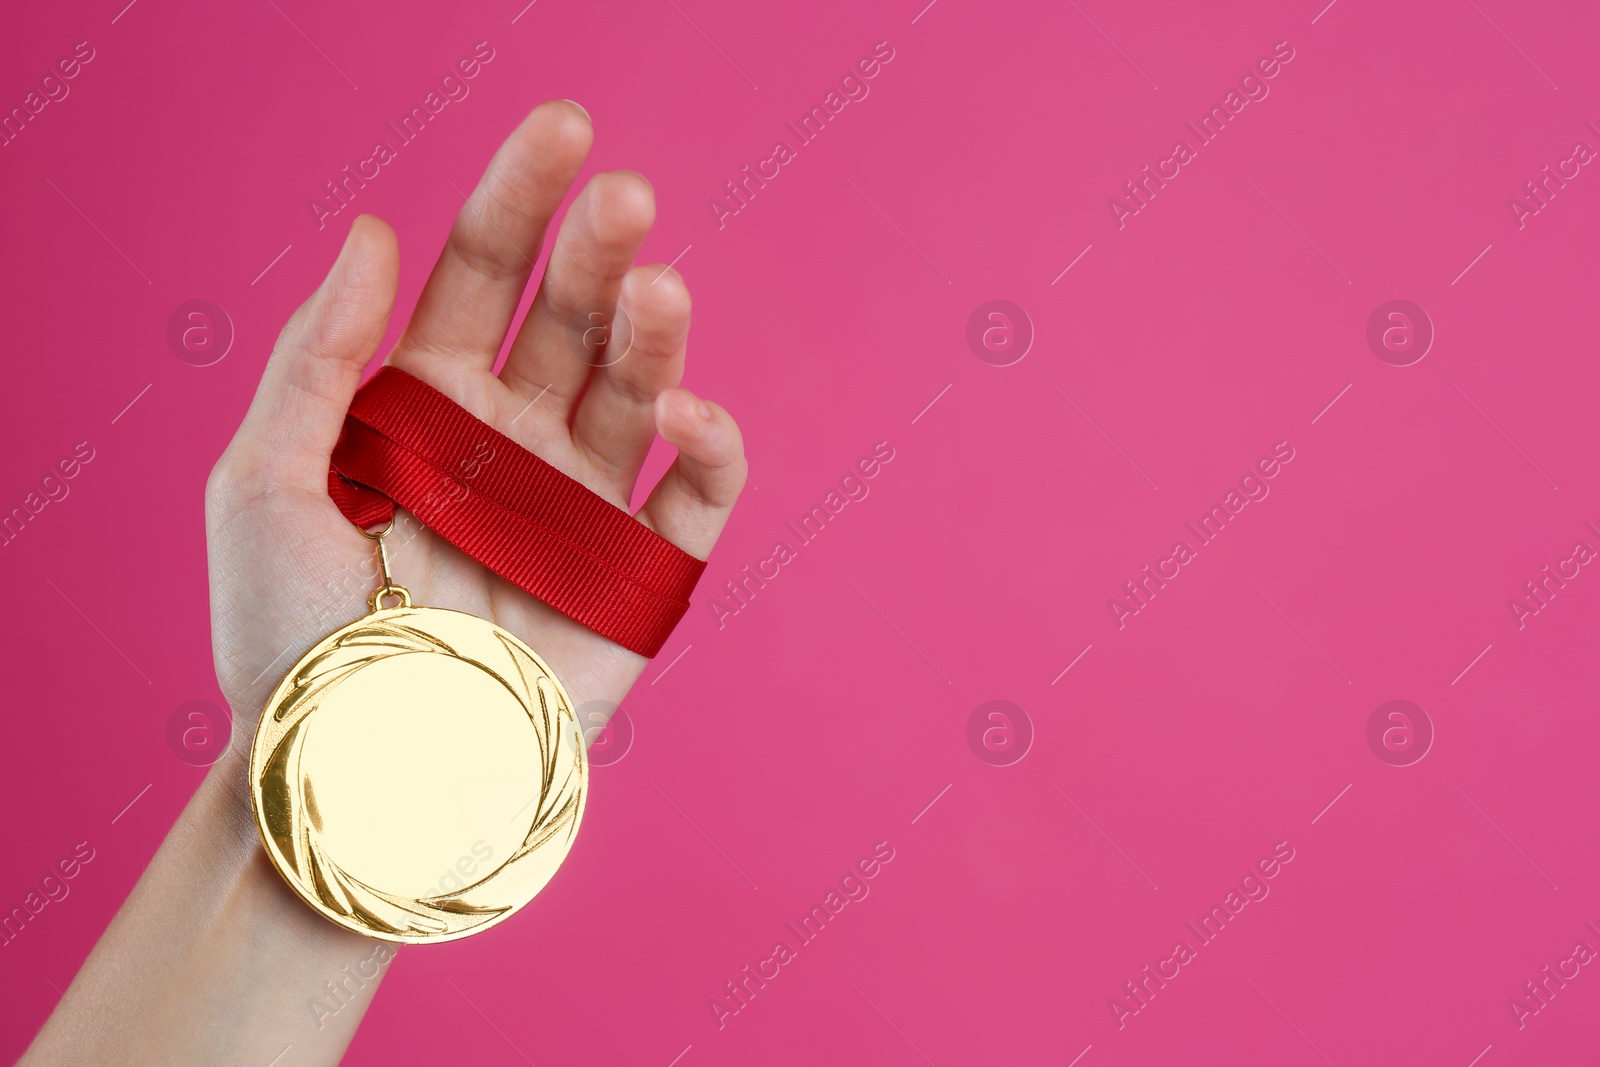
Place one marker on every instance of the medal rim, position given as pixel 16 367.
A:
pixel 258 758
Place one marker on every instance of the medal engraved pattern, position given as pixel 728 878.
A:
pixel 291 822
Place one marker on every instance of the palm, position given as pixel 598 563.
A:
pixel 287 567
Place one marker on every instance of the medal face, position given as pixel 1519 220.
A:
pixel 419 775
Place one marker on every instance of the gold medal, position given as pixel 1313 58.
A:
pixel 419 774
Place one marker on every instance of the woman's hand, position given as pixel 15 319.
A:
pixel 210 913
pixel 287 567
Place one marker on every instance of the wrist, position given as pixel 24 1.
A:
pixel 224 795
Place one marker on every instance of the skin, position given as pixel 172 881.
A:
pixel 213 959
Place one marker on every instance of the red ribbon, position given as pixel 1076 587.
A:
pixel 405 443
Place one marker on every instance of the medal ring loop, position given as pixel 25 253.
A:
pixel 400 593
pixel 378 535
pixel 388 588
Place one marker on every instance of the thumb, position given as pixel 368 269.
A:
pixel 294 420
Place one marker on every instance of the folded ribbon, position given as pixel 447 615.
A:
pixel 405 443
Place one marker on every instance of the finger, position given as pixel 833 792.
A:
pixel 468 303
pixel 556 348
pixel 691 503
pixel 294 420
pixel 616 422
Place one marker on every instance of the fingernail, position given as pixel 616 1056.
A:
pixel 702 409
pixel 648 183
pixel 581 108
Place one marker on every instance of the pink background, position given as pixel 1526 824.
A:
pixel 825 716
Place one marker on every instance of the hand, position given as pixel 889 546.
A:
pixel 286 567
